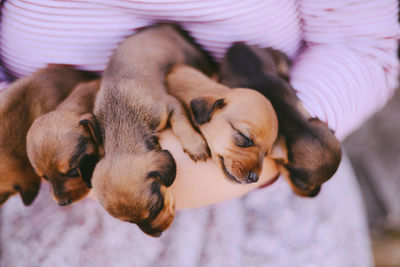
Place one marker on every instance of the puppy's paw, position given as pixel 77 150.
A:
pixel 197 148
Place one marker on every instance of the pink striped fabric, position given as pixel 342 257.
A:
pixel 347 71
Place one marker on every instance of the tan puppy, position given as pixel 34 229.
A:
pixel 307 148
pixel 20 104
pixel 132 106
pixel 238 134
pixel 63 146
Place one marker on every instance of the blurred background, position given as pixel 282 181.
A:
pixel 374 150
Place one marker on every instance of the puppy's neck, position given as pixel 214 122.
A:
pixel 82 98
pixel 138 141
pixel 187 83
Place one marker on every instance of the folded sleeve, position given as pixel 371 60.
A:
pixel 3 85
pixel 349 68
pixel 3 80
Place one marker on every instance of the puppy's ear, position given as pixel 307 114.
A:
pixel 86 167
pixel 203 107
pixel 167 172
pixel 282 63
pixel 92 126
pixel 279 151
pixel 29 191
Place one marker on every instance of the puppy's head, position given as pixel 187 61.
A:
pixel 240 129
pixel 63 148
pixel 17 176
pixel 313 158
pixel 134 188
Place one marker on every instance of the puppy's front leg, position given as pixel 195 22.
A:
pixel 193 143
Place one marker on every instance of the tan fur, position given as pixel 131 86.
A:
pixel 132 107
pixel 243 110
pixel 20 105
pixel 54 139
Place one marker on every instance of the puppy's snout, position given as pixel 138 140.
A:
pixel 252 177
pixel 302 188
pixel 314 192
pixel 64 202
pixel 311 192
pixel 150 231
pixel 164 218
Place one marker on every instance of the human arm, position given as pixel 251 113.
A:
pixel 203 183
pixel 346 72
pixel 349 67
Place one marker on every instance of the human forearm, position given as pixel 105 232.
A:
pixel 349 68
pixel 203 183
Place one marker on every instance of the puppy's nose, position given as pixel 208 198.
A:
pixel 252 178
pixel 64 203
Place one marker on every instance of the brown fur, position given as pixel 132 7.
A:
pixel 224 116
pixel 20 104
pixel 132 107
pixel 313 152
pixel 60 143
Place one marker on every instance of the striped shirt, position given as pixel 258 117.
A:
pixel 345 66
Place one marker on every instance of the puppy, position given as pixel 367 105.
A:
pixel 239 125
pixel 132 106
pixel 312 152
pixel 20 104
pixel 63 145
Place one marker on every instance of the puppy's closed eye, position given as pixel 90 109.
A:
pixel 158 205
pixel 155 188
pixel 86 168
pixel 73 173
pixel 240 139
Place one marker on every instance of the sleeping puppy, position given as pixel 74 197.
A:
pixel 312 153
pixel 63 145
pixel 131 181
pixel 20 104
pixel 239 125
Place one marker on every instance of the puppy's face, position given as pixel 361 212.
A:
pixel 307 173
pixel 62 148
pixel 133 188
pixel 17 177
pixel 240 129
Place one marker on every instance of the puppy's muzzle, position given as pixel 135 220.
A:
pixel 163 220
pixel 62 199
pixel 301 189
pixel 64 202
pixel 252 177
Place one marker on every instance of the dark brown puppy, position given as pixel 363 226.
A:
pixel 239 135
pixel 313 152
pixel 132 180
pixel 63 145
pixel 20 104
